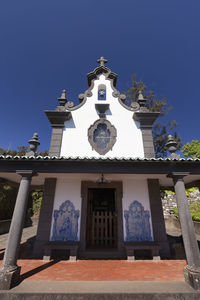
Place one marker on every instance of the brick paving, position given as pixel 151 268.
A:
pixel 102 270
pixel 94 270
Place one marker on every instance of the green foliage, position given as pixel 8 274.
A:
pixel 192 149
pixel 37 196
pixel 196 216
pixel 169 192
pixel 8 194
pixel 21 151
pixel 195 207
pixel 43 153
pixel 191 190
pixel 164 193
pixel 153 103
pixel 188 191
pixel 160 133
pixel 160 130
pixel 7 201
pixel 175 211
pixel 8 152
pixel 194 210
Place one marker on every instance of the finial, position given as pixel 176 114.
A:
pixel 171 146
pixel 141 99
pixel 63 95
pixel 34 143
pixel 62 100
pixel 102 61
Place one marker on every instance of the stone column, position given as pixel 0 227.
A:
pixel 57 119
pixel 10 271
pixel 147 141
pixel 146 119
pixel 192 270
pixel 56 141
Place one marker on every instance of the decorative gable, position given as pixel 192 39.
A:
pixel 101 124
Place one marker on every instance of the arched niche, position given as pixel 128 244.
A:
pixel 102 92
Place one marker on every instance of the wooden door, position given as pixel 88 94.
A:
pixel 101 219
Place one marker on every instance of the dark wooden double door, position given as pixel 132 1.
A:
pixel 101 219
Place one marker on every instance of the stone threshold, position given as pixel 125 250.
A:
pixel 103 287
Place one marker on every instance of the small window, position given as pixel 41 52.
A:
pixel 102 92
pixel 102 136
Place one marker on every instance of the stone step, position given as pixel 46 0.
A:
pixel 100 290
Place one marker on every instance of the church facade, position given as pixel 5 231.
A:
pixel 101 183
pixel 102 211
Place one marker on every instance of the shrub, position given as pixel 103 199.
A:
pixel 37 196
pixel 8 194
pixel 194 209
pixel 175 211
pixel 7 201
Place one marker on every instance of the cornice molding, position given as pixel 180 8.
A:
pixel 145 118
pixel 57 118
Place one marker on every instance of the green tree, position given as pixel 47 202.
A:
pixel 192 149
pixel 8 192
pixel 21 151
pixel 8 195
pixel 160 130
pixel 43 152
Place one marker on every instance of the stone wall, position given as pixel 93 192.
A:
pixel 169 201
pixel 4 226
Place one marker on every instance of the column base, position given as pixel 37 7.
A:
pixel 192 277
pixel 9 277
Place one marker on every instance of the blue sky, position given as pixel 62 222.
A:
pixel 47 46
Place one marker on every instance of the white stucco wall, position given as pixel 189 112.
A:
pixel 75 135
pixel 68 187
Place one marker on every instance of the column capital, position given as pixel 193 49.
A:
pixel 178 175
pixel 26 173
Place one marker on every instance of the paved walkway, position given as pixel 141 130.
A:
pixel 93 277
pixel 27 233
pixel 102 270
pixel 95 270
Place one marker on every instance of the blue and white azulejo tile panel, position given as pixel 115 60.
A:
pixel 65 222
pixel 137 223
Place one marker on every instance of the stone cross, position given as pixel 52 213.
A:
pixel 102 61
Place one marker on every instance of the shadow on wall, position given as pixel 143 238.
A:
pixel 70 124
